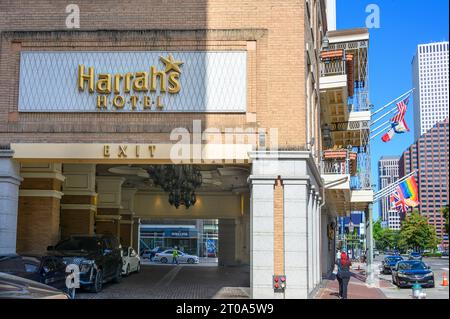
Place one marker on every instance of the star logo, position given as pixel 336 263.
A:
pixel 171 64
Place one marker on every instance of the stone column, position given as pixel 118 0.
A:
pixel 9 198
pixel 38 224
pixel 107 220
pixel 310 239
pixel 262 238
pixel 296 238
pixel 127 214
pixel 227 242
pixel 317 241
pixel 136 234
pixel 79 203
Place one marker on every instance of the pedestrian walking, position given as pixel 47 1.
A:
pixel 175 256
pixel 343 275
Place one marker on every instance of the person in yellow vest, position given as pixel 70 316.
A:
pixel 175 256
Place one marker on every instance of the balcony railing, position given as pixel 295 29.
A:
pixel 334 67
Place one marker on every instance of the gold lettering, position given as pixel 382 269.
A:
pixel 140 83
pixel 147 102
pixel 133 101
pixel 101 101
pixel 151 149
pixel 123 150
pixel 128 78
pixel 106 150
pixel 117 79
pixel 104 84
pixel 85 77
pixel 159 104
pixel 154 77
pixel 174 84
pixel 119 101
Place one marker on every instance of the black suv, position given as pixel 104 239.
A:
pixel 98 257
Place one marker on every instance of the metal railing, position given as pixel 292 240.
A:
pixel 335 67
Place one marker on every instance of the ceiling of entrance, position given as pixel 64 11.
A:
pixel 216 178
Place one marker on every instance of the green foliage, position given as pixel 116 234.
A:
pixel 385 237
pixel 444 211
pixel 417 234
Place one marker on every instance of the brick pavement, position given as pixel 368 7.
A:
pixel 357 288
pixel 177 282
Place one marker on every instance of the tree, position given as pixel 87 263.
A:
pixel 417 234
pixel 444 211
pixel 384 237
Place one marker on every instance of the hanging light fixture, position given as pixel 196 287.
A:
pixel 180 181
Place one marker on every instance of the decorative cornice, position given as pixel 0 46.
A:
pixel 40 193
pixel 79 207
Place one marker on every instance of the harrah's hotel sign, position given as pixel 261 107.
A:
pixel 133 81
pixel 111 87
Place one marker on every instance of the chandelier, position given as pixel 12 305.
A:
pixel 180 181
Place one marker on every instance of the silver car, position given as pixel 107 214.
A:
pixel 167 257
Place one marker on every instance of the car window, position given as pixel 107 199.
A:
pixel 125 252
pixel 31 267
pixel 11 264
pixel 79 243
pixel 49 264
pixel 412 266
pixel 168 252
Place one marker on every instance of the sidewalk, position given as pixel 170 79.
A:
pixel 357 287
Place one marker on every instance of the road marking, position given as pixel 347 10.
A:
pixel 169 277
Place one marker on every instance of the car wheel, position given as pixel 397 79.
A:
pixel 190 261
pixel 127 273
pixel 97 286
pixel 164 260
pixel 138 269
pixel 118 276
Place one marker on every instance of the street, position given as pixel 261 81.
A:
pixel 439 267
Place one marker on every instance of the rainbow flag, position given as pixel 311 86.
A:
pixel 410 191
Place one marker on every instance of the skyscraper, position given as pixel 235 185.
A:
pixel 429 157
pixel 430 80
pixel 388 173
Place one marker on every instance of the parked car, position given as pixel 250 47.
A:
pixel 98 257
pixel 408 272
pixel 150 253
pixel 48 270
pixel 376 252
pixel 15 287
pixel 166 256
pixel 389 262
pixel 130 261
pixel 415 256
pixel 445 253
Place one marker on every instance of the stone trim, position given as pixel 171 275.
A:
pixel 107 218
pixel 40 193
pixel 79 207
pixel 57 176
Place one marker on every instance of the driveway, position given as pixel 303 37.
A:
pixel 178 281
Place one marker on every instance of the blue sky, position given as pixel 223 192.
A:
pixel 403 25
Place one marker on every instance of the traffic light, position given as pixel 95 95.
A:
pixel 279 283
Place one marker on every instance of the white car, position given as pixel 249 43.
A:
pixel 167 257
pixel 130 261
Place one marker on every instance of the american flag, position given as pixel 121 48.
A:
pixel 398 201
pixel 401 107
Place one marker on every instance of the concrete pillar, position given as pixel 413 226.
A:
pixel 262 238
pixel 79 202
pixel 38 224
pixel 227 242
pixel 317 242
pixel 136 234
pixel 296 238
pixel 127 213
pixel 107 220
pixel 310 239
pixel 9 198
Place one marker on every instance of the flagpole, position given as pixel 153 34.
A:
pixel 388 112
pixel 376 112
pixel 391 187
pixel 379 133
pixel 376 129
